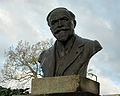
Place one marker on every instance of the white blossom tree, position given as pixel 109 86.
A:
pixel 21 61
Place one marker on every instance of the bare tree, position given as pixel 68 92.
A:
pixel 21 61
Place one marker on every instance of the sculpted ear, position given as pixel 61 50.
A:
pixel 74 23
pixel 48 22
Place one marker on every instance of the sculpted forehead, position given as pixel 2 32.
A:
pixel 59 13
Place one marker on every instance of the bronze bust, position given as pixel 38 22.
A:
pixel 70 54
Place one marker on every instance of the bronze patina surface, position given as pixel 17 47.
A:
pixel 70 54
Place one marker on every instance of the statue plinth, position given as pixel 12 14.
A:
pixel 57 86
pixel 65 94
pixel 73 85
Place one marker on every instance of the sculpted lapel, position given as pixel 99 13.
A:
pixel 49 63
pixel 52 61
pixel 69 58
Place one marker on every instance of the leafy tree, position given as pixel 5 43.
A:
pixel 21 61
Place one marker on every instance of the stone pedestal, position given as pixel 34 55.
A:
pixel 64 85
pixel 73 94
pixel 74 85
pixel 65 94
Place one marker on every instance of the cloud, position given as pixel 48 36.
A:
pixel 107 86
pixel 6 24
pixel 26 20
pixel 5 17
pixel 16 25
pixel 98 24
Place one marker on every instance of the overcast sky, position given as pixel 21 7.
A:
pixel 96 19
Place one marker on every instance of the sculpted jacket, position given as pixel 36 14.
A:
pixel 75 63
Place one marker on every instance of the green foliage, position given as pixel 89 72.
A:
pixel 10 92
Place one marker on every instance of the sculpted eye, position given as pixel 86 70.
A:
pixel 53 22
pixel 65 18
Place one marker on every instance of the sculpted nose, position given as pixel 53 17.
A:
pixel 60 24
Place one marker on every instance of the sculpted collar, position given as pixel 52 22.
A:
pixel 63 50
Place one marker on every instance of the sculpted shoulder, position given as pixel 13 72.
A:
pixel 45 53
pixel 93 46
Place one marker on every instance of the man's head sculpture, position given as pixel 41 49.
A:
pixel 62 23
pixel 70 54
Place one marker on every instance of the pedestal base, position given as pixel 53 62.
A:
pixel 64 84
pixel 65 94
pixel 74 94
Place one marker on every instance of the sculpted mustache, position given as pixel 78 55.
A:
pixel 63 29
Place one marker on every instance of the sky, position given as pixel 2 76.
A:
pixel 96 20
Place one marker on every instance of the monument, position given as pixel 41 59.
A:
pixel 65 64
pixel 70 54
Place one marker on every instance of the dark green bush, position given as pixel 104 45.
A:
pixel 10 92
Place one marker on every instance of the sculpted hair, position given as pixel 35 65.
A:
pixel 69 12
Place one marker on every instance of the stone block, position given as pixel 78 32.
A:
pixel 64 84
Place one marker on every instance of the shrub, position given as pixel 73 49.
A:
pixel 10 92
